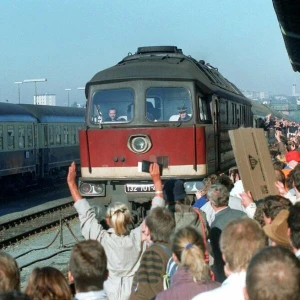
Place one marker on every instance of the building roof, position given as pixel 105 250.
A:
pixel 288 15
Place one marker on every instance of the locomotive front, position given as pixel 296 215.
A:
pixel 155 105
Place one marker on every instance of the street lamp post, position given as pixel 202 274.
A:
pixel 68 90
pixel 19 90
pixel 35 81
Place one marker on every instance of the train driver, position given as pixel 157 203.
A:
pixel 183 116
pixel 112 115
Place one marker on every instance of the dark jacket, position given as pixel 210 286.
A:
pixel 148 280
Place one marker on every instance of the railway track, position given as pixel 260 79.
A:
pixel 15 230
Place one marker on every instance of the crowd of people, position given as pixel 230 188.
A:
pixel 224 245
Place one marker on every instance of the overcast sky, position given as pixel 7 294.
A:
pixel 67 42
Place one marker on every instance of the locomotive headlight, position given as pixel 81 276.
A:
pixel 193 186
pixel 98 188
pixel 85 188
pixel 139 143
pixel 92 189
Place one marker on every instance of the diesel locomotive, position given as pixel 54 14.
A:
pixel 167 108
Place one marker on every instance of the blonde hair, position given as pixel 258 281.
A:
pixel 189 248
pixel 9 273
pixel 119 216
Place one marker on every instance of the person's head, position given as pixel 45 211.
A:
pixel 112 113
pixel 296 179
pixel 226 181
pixel 259 214
pixel 293 221
pixel 218 195
pixel 47 283
pixel 9 273
pixel 240 240
pixel 279 165
pixel 118 217
pixel 280 176
pixel 168 190
pixel 273 274
pixel 182 113
pixel 273 205
pixel 88 266
pixel 188 248
pixel 160 223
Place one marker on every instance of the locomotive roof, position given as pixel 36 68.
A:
pixel 53 114
pixel 167 63
pixel 288 15
pixel 10 112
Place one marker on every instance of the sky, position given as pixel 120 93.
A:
pixel 67 42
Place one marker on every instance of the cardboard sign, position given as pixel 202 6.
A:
pixel 254 162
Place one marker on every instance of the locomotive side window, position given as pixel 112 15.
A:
pixel 1 138
pixel 203 109
pixel 10 137
pixel 233 113
pixel 21 137
pixel 109 106
pixel 223 106
pixel 168 104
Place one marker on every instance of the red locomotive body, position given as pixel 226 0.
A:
pixel 161 106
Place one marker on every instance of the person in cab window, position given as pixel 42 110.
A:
pixel 183 116
pixel 112 115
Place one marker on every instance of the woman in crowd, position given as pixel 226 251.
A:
pixel 123 249
pixel 48 283
pixel 193 274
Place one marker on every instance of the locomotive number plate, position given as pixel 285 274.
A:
pixel 139 188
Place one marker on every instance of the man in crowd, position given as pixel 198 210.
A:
pixel 148 281
pixel 88 270
pixel 240 240
pixel 273 274
pixel 218 196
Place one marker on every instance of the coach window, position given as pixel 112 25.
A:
pixel 10 137
pixel 21 137
pixel 168 104
pixel 57 135
pixel 29 136
pixel 1 138
pixel 77 134
pixel 112 106
pixel 51 135
pixel 73 135
pixel 66 135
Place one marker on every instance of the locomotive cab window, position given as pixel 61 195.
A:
pixel 168 104
pixel 112 106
